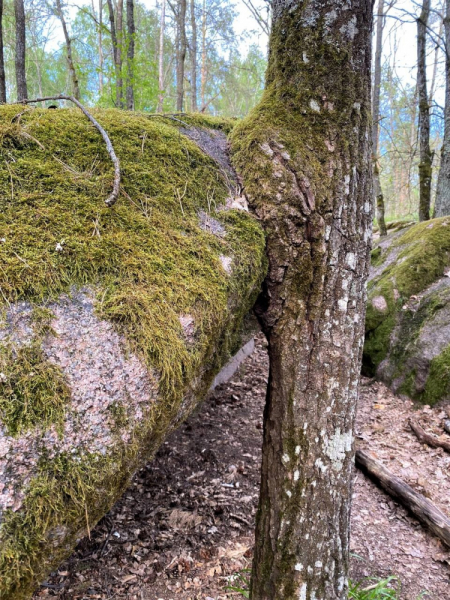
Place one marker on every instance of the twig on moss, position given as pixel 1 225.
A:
pixel 170 117
pixel 112 199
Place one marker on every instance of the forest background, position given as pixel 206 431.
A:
pixel 224 60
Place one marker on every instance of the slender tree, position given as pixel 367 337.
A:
pixel 130 54
pixel 193 54
pixel 305 158
pixel 2 60
pixel 119 50
pixel 426 156
pixel 442 207
pixel 21 79
pixel 181 50
pixel 378 192
pixel 70 63
pixel 162 25
pixel 204 71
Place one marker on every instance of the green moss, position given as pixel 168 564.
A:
pixel 438 383
pixel 376 257
pixel 32 391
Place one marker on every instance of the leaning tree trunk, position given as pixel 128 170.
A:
pixel 2 60
pixel 442 207
pixel 305 159
pixel 70 63
pixel 181 51
pixel 193 53
pixel 426 157
pixel 130 55
pixel 378 192
pixel 21 80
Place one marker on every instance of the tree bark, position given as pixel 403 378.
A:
pixel 204 70
pixel 304 155
pixel 378 192
pixel 70 63
pixel 2 60
pixel 181 51
pixel 161 57
pixel 425 511
pixel 193 52
pixel 119 33
pixel 442 207
pixel 130 54
pixel 21 79
pixel 426 157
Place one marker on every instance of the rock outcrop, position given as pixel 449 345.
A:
pixel 408 314
pixel 114 322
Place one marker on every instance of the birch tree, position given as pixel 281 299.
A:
pixel 305 159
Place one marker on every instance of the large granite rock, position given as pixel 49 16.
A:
pixel 408 314
pixel 114 322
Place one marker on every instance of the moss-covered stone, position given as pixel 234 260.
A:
pixel 134 276
pixel 407 314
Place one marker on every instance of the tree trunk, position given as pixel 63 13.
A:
pixel 161 57
pixel 426 157
pixel 204 67
pixel 181 52
pixel 2 60
pixel 442 207
pixel 378 192
pixel 305 158
pixel 193 49
pixel 21 79
pixel 119 33
pixel 100 44
pixel 130 55
pixel 70 63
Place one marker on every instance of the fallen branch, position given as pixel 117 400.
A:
pixel 425 511
pixel 428 439
pixel 112 199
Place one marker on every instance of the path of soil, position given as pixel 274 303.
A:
pixel 186 524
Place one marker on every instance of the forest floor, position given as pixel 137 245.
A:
pixel 185 526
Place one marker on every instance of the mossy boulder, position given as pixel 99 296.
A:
pixel 113 322
pixel 408 313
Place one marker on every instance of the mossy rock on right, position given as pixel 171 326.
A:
pixel 407 341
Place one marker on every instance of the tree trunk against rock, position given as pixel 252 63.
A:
pixel 2 60
pixel 426 157
pixel 21 79
pixel 304 155
pixel 162 24
pixel 378 192
pixel 70 63
pixel 181 51
pixel 442 207
pixel 130 54
pixel 193 52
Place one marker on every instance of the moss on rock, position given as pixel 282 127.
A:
pixel 405 301
pixel 149 261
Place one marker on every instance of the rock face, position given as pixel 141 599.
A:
pixel 113 322
pixel 408 314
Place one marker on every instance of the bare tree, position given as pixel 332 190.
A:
pixel 442 207
pixel 378 192
pixel 2 60
pixel 130 54
pixel 204 70
pixel 180 16
pixel 426 156
pixel 305 159
pixel 193 54
pixel 73 74
pixel 162 24
pixel 117 53
pixel 21 79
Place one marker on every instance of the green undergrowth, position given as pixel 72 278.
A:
pixel 148 256
pixel 424 253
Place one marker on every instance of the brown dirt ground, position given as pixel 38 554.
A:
pixel 186 523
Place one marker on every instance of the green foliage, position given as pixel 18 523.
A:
pixel 376 590
pixel 240 582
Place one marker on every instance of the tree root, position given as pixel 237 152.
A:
pixel 428 439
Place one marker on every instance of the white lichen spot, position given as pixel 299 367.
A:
pixel 351 260
pixel 314 106
pixel 267 149
pixel 3 378
pixel 285 458
pixel 337 447
pixel 318 564
pixel 305 58
pixel 297 450
pixel 296 475
pixel 303 590
pixel 379 303
pixel 298 567
pixel 288 493
pixel 342 304
pixel 320 465
pixel 59 246
pixel 227 262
